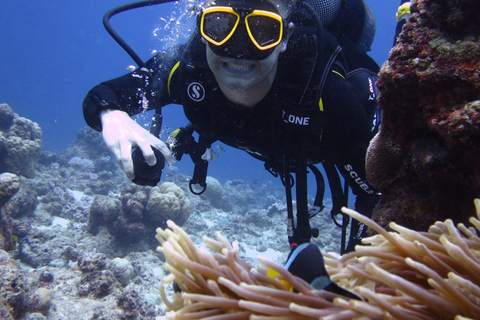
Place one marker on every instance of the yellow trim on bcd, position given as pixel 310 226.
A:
pixel 175 67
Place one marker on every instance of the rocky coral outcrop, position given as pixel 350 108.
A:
pixel 214 194
pixel 167 202
pixel 139 210
pixel 96 281
pixel 425 158
pixel 18 299
pixel 20 143
pixel 9 185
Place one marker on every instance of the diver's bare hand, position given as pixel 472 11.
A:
pixel 121 134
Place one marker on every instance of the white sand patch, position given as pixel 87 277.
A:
pixel 57 221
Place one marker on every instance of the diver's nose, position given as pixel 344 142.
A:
pixel 239 43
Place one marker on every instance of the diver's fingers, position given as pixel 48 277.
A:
pixel 116 152
pixel 126 162
pixel 162 147
pixel 147 153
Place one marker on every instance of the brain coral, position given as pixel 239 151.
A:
pixel 425 158
pixel 20 143
pixel 167 202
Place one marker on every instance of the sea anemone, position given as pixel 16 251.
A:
pixel 402 274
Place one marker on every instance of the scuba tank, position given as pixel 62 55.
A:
pixel 348 20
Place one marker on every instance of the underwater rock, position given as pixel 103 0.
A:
pixel 133 307
pixel 122 269
pixel 22 204
pixel 20 143
pixel 13 293
pixel 96 280
pixel 34 316
pixel 424 160
pixel 42 300
pixel 42 247
pixel 98 284
pixel 46 276
pixel 92 261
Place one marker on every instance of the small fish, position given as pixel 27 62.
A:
pixel 220 148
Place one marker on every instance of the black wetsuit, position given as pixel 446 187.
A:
pixel 276 127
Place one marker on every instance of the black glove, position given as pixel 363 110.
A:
pixel 306 261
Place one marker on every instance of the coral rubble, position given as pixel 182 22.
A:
pixel 425 158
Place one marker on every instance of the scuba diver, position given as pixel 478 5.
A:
pixel 287 81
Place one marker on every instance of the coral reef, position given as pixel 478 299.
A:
pixel 82 190
pixel 399 275
pixel 167 202
pixel 139 210
pixel 20 143
pixel 86 165
pixel 424 160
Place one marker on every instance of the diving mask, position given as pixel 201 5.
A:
pixel 241 32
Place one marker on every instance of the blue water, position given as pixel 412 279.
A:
pixel 52 52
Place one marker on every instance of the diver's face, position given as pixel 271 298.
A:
pixel 242 74
pixel 243 56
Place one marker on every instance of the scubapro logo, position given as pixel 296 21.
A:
pixel 195 91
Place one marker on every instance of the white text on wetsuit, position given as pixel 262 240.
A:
pixel 362 184
pixel 290 118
